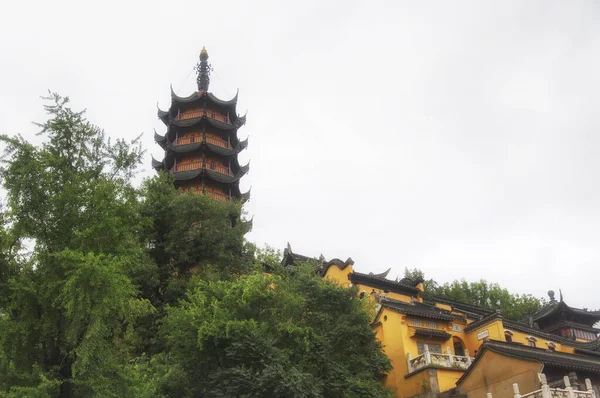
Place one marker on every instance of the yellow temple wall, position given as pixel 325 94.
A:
pixel 473 339
pixel 496 374
pixel 338 275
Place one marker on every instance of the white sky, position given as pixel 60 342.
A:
pixel 459 137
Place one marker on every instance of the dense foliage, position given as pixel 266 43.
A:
pixel 111 291
pixel 482 293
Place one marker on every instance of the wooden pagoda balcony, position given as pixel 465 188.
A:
pixel 203 112
pixel 209 166
pixel 192 139
pixel 212 194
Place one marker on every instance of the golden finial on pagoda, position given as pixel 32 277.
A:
pixel 203 50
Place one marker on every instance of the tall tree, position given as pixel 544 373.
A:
pixel 70 305
pixel 288 334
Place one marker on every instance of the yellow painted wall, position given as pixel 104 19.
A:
pixel 496 332
pixel 447 378
pixel 339 276
pixel 496 374
pixel 391 336
pixel 520 337
pixel 392 295
pixel 416 384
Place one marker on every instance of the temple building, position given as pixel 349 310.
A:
pixel 201 145
pixel 443 348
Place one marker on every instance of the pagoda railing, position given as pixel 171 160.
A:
pixel 218 142
pixel 199 165
pixel 441 360
pixel 212 194
pixel 192 139
pixel 191 114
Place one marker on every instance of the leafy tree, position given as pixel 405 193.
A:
pixel 483 294
pixel 287 334
pixel 68 305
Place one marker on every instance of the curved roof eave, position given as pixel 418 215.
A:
pixel 157 164
pixel 218 101
pixel 196 120
pixel 162 115
pixel 246 196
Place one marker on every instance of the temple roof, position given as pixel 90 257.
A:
pixel 432 334
pixel 419 310
pixel 379 281
pixel 472 311
pixel 560 310
pixel 550 359
pixel 289 257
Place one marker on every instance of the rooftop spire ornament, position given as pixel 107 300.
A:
pixel 203 69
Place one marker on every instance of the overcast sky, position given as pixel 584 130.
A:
pixel 458 137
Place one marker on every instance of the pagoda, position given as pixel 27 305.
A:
pixel 201 144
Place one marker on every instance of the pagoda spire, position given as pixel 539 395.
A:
pixel 203 69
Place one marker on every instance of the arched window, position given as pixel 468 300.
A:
pixel 551 345
pixel 508 335
pixel 531 341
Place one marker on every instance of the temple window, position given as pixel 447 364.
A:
pixel 508 336
pixel 433 348
pixel 432 325
pixel 416 322
pixel 551 346
pixel 531 341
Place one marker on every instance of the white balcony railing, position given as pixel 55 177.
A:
pixel 443 360
pixel 547 392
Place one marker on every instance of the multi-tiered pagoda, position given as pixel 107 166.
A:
pixel 201 144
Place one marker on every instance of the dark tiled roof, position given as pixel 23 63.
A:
pixel 162 115
pixel 554 359
pixel 290 257
pixel 157 164
pixel 483 321
pixel 199 95
pixel 574 325
pixel 469 309
pixel 432 333
pixel 419 310
pixel 197 120
pixel 557 307
pixel 376 281
pixel 213 175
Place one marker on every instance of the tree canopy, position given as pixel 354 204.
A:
pixel 112 291
pixel 481 293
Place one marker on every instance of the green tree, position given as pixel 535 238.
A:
pixel 284 334
pixel 481 293
pixel 69 305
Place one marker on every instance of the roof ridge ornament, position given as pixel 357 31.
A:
pixel 204 70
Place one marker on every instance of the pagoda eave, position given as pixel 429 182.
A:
pixel 203 95
pixel 197 120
